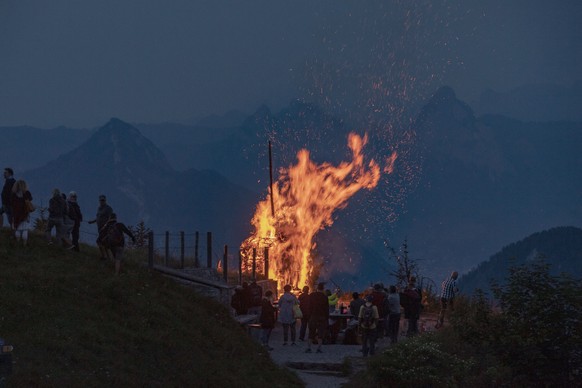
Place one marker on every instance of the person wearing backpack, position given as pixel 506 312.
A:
pixel 368 318
pixel 114 240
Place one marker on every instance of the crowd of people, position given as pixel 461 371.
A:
pixel 64 216
pixel 376 313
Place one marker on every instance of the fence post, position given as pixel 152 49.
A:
pixel 151 249
pixel 182 250
pixel 196 261
pixel 225 264
pixel 239 267
pixel 267 262
pixel 209 249
pixel 167 247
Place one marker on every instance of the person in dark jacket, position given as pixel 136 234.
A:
pixel 237 301
pixel 267 318
pixel 411 300
pixel 305 310
pixel 111 228
pixel 75 215
pixel 255 298
pixel 7 194
pixel 56 218
pixel 20 214
pixel 319 317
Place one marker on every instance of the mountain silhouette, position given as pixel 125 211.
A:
pixel 118 161
pixel 560 247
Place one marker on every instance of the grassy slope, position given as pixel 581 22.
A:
pixel 73 323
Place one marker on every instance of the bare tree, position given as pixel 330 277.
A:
pixel 406 266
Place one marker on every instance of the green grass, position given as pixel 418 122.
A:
pixel 74 323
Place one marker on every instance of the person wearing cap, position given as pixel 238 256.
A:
pixel 75 215
pixel 104 212
pixel 368 320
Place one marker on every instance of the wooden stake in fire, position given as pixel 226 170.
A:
pixel 271 179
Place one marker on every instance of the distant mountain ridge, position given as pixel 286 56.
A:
pixel 560 247
pixel 141 185
pixel 474 183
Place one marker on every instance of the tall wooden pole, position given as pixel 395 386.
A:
pixel 271 180
pixel 208 249
pixel 196 260
pixel 225 264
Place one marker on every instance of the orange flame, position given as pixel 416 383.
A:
pixel 305 197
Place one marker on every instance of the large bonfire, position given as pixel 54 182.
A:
pixel 304 199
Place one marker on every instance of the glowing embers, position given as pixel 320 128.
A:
pixel 305 197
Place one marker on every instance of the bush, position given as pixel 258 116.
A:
pixel 419 362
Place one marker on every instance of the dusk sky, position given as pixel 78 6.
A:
pixel 78 63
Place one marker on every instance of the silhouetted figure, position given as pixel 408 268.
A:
pixel 19 211
pixel 393 314
pixel 305 310
pixel 318 320
pixel 75 215
pixel 267 318
pixel 57 212
pixel 449 290
pixel 255 297
pixel 7 194
pixel 104 212
pixel 237 301
pixel 113 239
pixel 411 300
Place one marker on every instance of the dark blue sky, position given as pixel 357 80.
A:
pixel 79 63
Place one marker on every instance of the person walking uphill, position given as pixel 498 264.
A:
pixel 114 240
pixel 449 290
pixel 286 315
pixel 267 318
pixel 104 212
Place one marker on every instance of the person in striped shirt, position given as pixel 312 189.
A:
pixel 448 291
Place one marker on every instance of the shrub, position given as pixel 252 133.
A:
pixel 419 362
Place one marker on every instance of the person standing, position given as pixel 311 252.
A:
pixel 393 314
pixel 449 290
pixel 237 301
pixel 19 210
pixel 104 212
pixel 114 239
pixel 355 304
pixel 256 298
pixel 286 303
pixel 318 320
pixel 411 299
pixel 7 193
pixel 57 209
pixel 74 213
pixel 378 300
pixel 305 310
pixel 267 318
pixel 368 319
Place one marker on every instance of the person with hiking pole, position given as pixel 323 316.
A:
pixel 112 238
